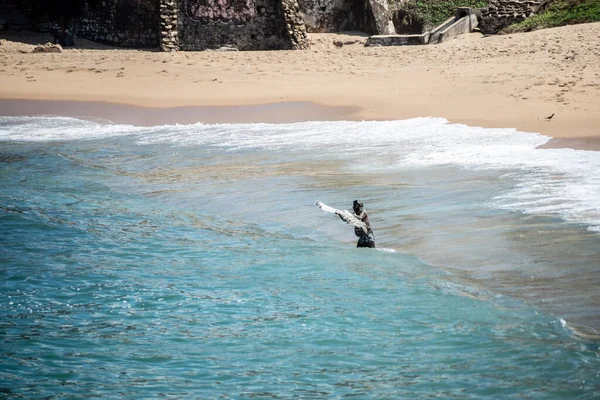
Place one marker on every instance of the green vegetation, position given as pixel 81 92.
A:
pixel 427 14
pixel 435 11
pixel 559 13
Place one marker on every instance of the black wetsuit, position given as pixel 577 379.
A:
pixel 364 239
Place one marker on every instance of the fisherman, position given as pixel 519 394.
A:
pixel 365 239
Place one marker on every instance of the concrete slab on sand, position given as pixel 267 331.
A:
pixel 397 40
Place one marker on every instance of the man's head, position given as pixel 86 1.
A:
pixel 357 206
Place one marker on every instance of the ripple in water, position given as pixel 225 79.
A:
pixel 190 262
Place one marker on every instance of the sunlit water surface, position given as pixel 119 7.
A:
pixel 191 262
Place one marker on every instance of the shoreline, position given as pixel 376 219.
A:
pixel 125 114
pixel 576 143
pixel 572 128
pixel 545 82
pixel 273 113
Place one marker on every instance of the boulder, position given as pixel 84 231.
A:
pixel 227 47
pixel 48 48
pixel 382 16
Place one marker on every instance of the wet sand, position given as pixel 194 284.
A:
pixel 577 143
pixel 144 116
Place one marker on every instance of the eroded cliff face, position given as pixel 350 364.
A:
pixel 370 16
pixel 244 24
pixel 327 15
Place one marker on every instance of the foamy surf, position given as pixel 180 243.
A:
pixel 193 249
pixel 561 182
pixel 582 332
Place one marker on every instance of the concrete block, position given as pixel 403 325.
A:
pixel 397 40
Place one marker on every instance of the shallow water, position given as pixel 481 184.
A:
pixel 190 261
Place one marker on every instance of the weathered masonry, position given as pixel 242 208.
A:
pixel 245 24
pixel 201 24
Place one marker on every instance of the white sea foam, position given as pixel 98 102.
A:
pixel 386 250
pixel 47 129
pixel 562 182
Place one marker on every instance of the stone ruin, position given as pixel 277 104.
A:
pixel 265 24
pixel 210 24
pixel 241 24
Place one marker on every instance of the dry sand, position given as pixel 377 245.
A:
pixel 498 81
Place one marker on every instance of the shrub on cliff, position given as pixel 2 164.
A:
pixel 407 18
pixel 437 11
pixel 559 13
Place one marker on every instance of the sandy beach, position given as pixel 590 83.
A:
pixel 515 81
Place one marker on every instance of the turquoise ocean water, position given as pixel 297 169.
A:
pixel 191 262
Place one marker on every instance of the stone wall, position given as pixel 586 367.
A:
pixel 181 24
pixel 243 24
pixel 129 23
pixel 122 22
pixel 295 25
pixel 501 13
pixel 169 25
